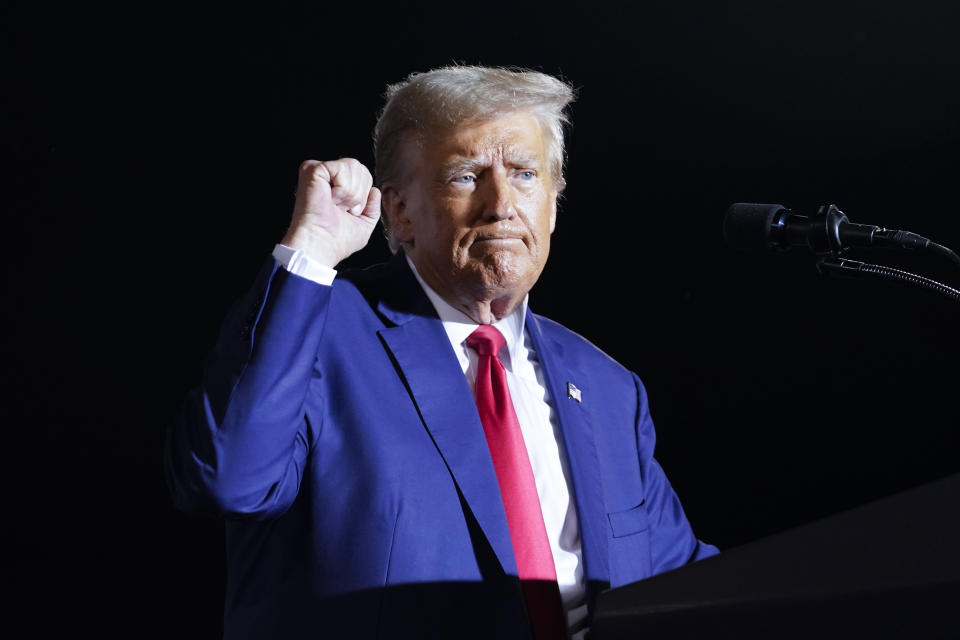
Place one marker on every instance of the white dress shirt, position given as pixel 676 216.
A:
pixel 537 419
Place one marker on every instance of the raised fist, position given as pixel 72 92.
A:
pixel 336 210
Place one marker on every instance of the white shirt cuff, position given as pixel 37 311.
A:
pixel 296 262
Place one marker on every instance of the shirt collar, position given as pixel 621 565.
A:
pixel 459 325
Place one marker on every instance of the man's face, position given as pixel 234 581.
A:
pixel 477 211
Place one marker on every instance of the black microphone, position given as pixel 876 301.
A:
pixel 764 227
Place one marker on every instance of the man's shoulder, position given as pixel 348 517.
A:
pixel 389 288
pixel 373 282
pixel 577 349
pixel 379 277
pixel 363 279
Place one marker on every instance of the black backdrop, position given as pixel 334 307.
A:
pixel 154 160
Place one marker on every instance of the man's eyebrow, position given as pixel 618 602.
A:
pixel 471 164
pixel 461 165
pixel 522 160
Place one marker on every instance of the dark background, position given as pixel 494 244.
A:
pixel 154 156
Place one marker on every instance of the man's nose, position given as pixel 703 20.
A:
pixel 499 198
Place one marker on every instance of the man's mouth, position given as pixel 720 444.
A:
pixel 500 236
pixel 499 239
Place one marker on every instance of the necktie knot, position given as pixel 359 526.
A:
pixel 486 340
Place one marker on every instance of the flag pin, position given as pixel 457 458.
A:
pixel 573 392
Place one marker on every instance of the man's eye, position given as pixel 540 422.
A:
pixel 465 179
pixel 527 175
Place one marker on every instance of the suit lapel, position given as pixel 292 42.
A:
pixel 579 447
pixel 436 383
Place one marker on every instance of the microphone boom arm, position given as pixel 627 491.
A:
pixel 854 269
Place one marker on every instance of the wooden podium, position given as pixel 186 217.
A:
pixel 888 569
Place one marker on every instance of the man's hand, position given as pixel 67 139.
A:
pixel 335 211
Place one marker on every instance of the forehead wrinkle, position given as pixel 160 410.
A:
pixel 480 155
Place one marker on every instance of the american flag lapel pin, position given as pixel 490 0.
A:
pixel 573 392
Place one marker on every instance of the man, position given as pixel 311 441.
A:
pixel 408 451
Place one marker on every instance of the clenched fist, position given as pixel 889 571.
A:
pixel 336 210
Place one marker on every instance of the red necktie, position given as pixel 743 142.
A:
pixel 538 576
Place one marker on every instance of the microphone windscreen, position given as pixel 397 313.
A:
pixel 747 226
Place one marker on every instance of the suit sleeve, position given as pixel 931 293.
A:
pixel 672 541
pixel 240 442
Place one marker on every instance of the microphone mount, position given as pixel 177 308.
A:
pixel 823 236
pixel 828 234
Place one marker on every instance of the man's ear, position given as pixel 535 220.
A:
pixel 553 211
pixel 395 209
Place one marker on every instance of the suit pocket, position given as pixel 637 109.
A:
pixel 629 545
pixel 625 523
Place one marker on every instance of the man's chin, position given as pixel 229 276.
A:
pixel 499 254
pixel 505 271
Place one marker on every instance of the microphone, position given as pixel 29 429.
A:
pixel 765 227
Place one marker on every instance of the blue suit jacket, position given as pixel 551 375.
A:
pixel 336 432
